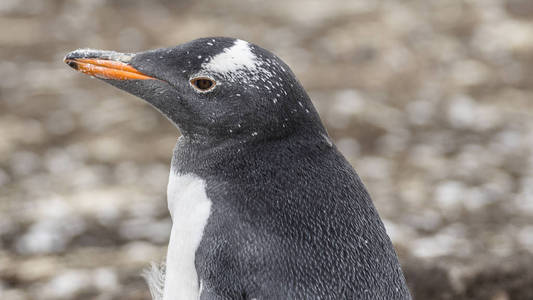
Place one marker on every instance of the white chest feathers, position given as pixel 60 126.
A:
pixel 189 208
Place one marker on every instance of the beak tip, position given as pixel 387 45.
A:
pixel 71 63
pixel 70 59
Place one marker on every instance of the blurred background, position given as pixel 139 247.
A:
pixel 430 100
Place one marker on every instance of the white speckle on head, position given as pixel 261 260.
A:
pixel 189 208
pixel 238 63
pixel 254 133
pixel 237 57
pixel 275 100
pixel 199 56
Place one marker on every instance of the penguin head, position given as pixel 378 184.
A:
pixel 212 89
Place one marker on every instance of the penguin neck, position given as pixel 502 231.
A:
pixel 193 156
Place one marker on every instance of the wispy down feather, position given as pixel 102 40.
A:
pixel 155 277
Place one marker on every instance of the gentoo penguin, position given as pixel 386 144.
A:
pixel 263 204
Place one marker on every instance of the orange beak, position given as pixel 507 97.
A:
pixel 106 69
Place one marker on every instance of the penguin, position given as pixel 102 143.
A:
pixel 263 204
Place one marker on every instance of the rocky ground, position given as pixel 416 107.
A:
pixel 432 102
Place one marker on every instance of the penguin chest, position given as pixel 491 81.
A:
pixel 189 208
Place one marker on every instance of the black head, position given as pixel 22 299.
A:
pixel 212 89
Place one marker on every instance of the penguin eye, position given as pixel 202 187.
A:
pixel 203 84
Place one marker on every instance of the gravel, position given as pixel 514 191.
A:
pixel 429 100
